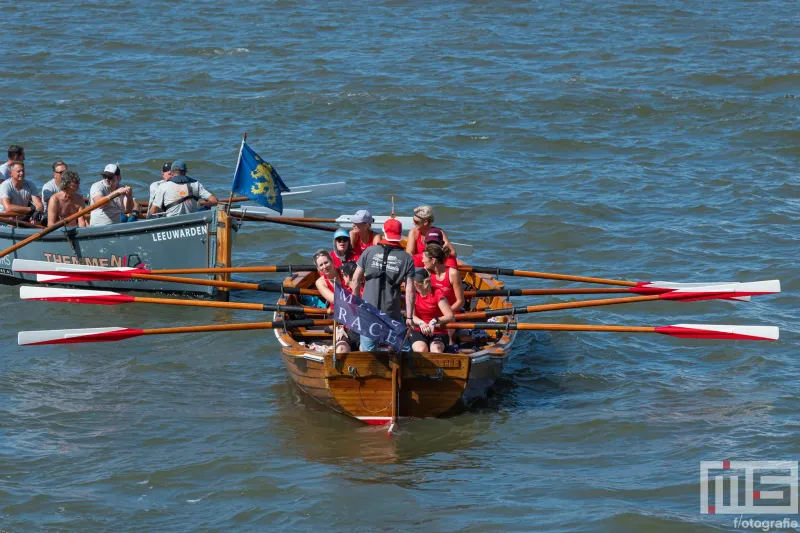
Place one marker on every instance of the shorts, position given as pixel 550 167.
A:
pixel 352 338
pixel 416 335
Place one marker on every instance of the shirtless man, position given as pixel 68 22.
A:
pixel 66 202
pixel 20 197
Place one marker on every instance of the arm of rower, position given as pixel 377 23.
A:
pixel 52 207
pixel 447 312
pixel 12 209
pixel 376 238
pixel 323 289
pixel 458 288
pixel 411 244
pixel 411 296
pixel 356 281
pixel 37 203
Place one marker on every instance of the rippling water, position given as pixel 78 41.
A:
pixel 647 140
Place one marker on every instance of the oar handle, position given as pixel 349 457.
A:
pixel 16 222
pixel 497 271
pixel 547 327
pixel 278 220
pixel 279 324
pixel 60 223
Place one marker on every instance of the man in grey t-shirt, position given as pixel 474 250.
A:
pixel 19 196
pixel 15 153
pixel 54 185
pixel 179 195
pixel 384 268
pixel 111 213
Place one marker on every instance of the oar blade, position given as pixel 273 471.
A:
pixel 29 266
pixel 733 291
pixel 72 336
pixel 56 294
pixel 711 331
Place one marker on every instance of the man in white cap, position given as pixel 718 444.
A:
pixel 384 268
pixel 114 211
pixel 179 194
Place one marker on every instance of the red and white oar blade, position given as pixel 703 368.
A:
pixel 44 267
pixel 709 331
pixel 55 294
pixel 733 291
pixel 70 336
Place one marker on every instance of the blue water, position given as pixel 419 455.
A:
pixel 648 140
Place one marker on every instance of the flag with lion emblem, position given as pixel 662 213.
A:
pixel 256 179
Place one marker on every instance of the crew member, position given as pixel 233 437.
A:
pixel 423 223
pixel 346 339
pixel 15 153
pixel 123 208
pixel 342 250
pixel 166 174
pixel 19 196
pixel 180 193
pixel 67 201
pixel 384 268
pixel 362 236
pixel 431 311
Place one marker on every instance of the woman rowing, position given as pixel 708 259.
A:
pixel 446 280
pixel 423 224
pixel 342 249
pixel 362 236
pixel 431 312
pixel 346 339
pixel 435 236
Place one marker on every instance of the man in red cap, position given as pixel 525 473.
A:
pixel 384 268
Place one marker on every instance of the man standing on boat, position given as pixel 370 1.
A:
pixel 180 193
pixel 19 196
pixel 384 268
pixel 15 153
pixel 114 211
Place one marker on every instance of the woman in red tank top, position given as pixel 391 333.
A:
pixel 328 275
pixel 362 236
pixel 431 311
pixel 443 278
pixel 424 229
pixel 342 250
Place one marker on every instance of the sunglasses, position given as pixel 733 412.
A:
pixel 342 239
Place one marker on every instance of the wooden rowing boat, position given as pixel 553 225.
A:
pixel 360 384
pixel 196 240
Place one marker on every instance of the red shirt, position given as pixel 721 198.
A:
pixel 427 308
pixel 337 263
pixel 359 247
pixel 444 286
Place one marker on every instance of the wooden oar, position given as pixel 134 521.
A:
pixel 60 223
pixel 738 291
pixel 57 294
pixel 16 222
pixel 690 331
pixel 71 336
pixel 642 285
pixel 280 220
pixel 43 267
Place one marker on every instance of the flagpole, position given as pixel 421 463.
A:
pixel 235 172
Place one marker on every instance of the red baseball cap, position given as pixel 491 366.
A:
pixel 393 230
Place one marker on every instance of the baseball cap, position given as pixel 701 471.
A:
pixel 341 233
pixel 179 166
pixel 362 215
pixel 421 275
pixel 111 170
pixel 393 230
pixel 166 167
pixel 434 235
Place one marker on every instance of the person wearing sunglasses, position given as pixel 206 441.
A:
pixel 342 250
pixel 423 224
pixel 67 201
pixel 362 236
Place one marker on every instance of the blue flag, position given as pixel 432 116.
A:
pixel 256 179
pixel 366 319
